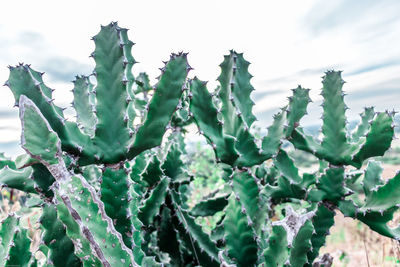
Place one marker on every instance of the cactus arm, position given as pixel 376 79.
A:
pixel 245 187
pixel 39 176
pixel 152 174
pixel 379 205
pixel 37 136
pixel 285 188
pixel 23 80
pixel 111 91
pixel 383 197
pixel 330 186
pixel 80 198
pixel 128 62
pixel 19 254
pixel 366 117
pixel 114 191
pixel 143 86
pixel 43 179
pixel 14 243
pixel 7 229
pixel 205 116
pixel 82 246
pixel 232 122
pixel 249 153
pixel 79 144
pixel 277 253
pixel 200 242
pixel 263 216
pixel 138 166
pixel 151 206
pixel 378 139
pixel 297 108
pixel 336 147
pixel 334 143
pixel 173 166
pixel 209 207
pixel 143 82
pixel 184 191
pixel 377 221
pixel 88 211
pixel 84 104
pixel 322 222
pixel 61 248
pixel 286 166
pixel 241 88
pixel 301 245
pixel 137 225
pixel 372 177
pixel 24 160
pixel 4 161
pixel 131 111
pixel 272 141
pixel 239 235
pixel 162 105
pixel 289 184
pixel 182 116
pixel 17 179
pixel 236 108
pixel 352 181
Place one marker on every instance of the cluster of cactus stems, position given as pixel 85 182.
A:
pixel 113 193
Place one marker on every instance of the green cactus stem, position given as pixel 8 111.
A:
pixel 84 104
pixel 114 190
pixel 372 137
pixel 61 248
pixel 381 201
pixel 240 242
pixel 80 198
pixel 226 121
pixel 17 179
pixel 14 243
pixel 105 113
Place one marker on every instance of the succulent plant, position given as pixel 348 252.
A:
pixel 114 187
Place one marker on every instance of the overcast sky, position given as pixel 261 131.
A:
pixel 287 42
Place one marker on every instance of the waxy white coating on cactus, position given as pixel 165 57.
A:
pixel 293 222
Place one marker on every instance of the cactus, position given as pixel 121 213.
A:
pixel 14 243
pixel 166 206
pixel 115 192
pixel 227 125
pixel 105 230
pixel 372 137
pixel 326 191
pixel 61 248
pixel 108 134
